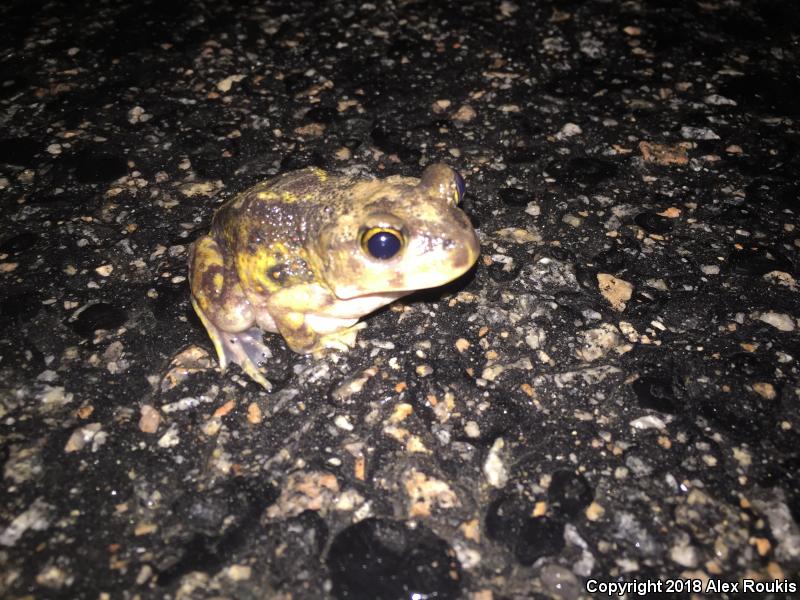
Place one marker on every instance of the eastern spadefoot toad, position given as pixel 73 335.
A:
pixel 308 253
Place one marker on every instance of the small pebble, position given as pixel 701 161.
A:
pixel 780 321
pixel 150 419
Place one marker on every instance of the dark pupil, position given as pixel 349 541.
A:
pixel 460 186
pixel 383 244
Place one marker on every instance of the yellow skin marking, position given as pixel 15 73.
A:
pixel 294 320
pixel 256 268
pixel 287 196
pixel 321 175
pixel 289 255
pixel 278 248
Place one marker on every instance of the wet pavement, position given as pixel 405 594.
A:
pixel 611 395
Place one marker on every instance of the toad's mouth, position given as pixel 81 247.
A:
pixel 393 288
pixel 361 305
pixel 352 294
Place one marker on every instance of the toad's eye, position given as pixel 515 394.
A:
pixel 381 243
pixel 461 187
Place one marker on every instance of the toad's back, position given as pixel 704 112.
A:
pixel 288 210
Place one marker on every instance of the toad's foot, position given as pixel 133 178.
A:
pixel 247 350
pixel 342 340
pixel 244 348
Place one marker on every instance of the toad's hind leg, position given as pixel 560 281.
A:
pixel 224 310
pixel 244 348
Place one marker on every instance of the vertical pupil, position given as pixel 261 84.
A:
pixel 383 244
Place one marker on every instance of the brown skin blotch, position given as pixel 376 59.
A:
pixel 254 239
pixel 193 258
pixel 461 259
pixel 397 281
pixel 381 205
pixel 353 264
pixel 463 223
pixel 207 279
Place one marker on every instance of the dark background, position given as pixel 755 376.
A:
pixel 510 436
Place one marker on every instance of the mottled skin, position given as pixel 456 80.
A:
pixel 288 255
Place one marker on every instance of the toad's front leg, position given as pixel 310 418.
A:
pixel 315 334
pixel 341 339
pixel 226 313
